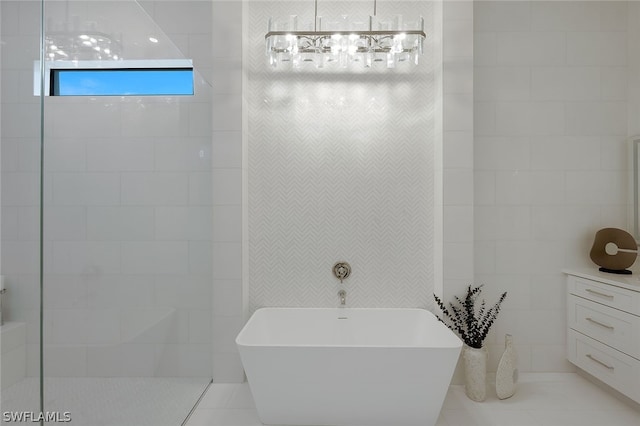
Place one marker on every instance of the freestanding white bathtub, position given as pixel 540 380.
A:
pixel 348 367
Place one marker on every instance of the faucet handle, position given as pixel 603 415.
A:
pixel 341 270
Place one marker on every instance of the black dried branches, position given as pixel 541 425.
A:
pixel 471 326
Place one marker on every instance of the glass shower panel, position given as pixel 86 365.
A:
pixel 19 201
pixel 127 289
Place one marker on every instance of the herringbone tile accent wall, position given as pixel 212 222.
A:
pixel 340 168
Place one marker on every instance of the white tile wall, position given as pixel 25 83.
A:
pixel 550 126
pixel 128 204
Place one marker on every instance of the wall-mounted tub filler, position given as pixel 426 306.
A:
pixel 341 270
pixel 343 298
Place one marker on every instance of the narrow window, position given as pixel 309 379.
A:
pixel 121 82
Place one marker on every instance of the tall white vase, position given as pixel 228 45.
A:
pixel 507 372
pixel 475 372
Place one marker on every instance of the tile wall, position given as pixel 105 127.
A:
pixel 128 208
pixel 550 157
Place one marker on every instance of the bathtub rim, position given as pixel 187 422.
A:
pixel 430 316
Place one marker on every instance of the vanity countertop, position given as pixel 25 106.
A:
pixel 630 282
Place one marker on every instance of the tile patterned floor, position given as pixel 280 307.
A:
pixel 541 400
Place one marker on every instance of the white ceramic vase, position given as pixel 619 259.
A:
pixel 507 372
pixel 475 372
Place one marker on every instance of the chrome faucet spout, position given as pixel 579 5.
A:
pixel 343 298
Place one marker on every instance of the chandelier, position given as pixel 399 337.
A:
pixel 345 41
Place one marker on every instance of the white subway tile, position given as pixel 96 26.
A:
pixel 513 187
pixel 192 154
pixel 62 222
pixel 565 16
pixel 454 255
pixel 534 118
pixel 546 357
pixel 10 149
pixel 65 155
pixel 154 119
pixel 457 9
pixel 547 187
pixel 458 112
pixel 458 223
pixel 66 361
pixel 227 368
pixel 547 222
pixel 227 261
pixel 484 118
pixel 227 76
pixel 227 223
pixel 502 16
pixel 227 186
pixel 539 49
pixel 131 154
pixel 9 223
pixel 227 297
pixel 86 257
pixel 226 151
pixel 103 327
pixel 568 84
pixel 502 153
pixel 20 189
pixel 458 186
pixel 138 360
pixel 484 188
pixel 227 112
pixel 458 38
pixel 20 257
pixel 155 257
pixel 86 119
pixel 614 83
pixel 63 291
pixel 485 49
pixel 200 258
pixel 597 48
pixel 120 223
pixel 29 224
pixel 200 326
pixel 614 15
pixel 184 291
pixel 183 223
pixel 484 257
pixel 200 188
pixel 503 84
pixel 86 188
pixel 155 188
pixel 180 16
pixel 225 329
pixel 596 118
pixel 513 257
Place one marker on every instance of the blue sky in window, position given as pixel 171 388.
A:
pixel 129 82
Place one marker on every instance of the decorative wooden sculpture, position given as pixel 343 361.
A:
pixel 614 250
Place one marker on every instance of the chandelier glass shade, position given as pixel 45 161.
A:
pixel 344 41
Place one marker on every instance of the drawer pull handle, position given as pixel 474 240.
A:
pixel 597 293
pixel 610 327
pixel 592 358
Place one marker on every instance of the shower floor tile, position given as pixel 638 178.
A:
pixel 121 401
pixel 542 399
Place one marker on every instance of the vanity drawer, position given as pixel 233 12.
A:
pixel 616 369
pixel 609 326
pixel 616 297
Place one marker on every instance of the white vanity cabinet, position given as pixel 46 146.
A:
pixel 603 321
